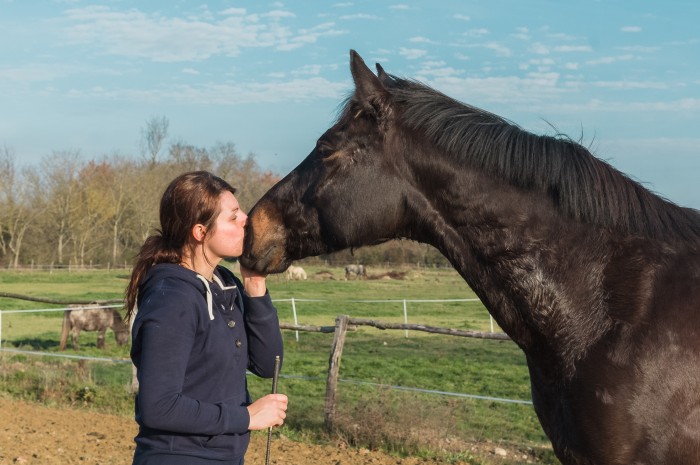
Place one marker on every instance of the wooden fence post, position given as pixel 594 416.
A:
pixel 341 327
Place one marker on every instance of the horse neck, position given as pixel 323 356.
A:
pixel 514 250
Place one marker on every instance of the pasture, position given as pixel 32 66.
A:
pixel 370 414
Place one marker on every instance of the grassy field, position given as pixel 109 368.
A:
pixel 369 413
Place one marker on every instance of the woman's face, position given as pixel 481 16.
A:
pixel 225 239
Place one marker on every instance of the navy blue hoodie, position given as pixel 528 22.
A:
pixel 192 342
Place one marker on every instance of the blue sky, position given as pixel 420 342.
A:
pixel 268 76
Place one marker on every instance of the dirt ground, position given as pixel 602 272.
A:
pixel 39 435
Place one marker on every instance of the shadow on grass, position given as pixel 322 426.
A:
pixel 49 345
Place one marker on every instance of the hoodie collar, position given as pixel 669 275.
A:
pixel 210 305
pixel 168 269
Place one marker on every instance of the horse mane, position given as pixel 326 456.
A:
pixel 579 185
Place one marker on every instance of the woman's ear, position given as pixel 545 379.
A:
pixel 199 232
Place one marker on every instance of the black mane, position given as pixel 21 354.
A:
pixel 579 184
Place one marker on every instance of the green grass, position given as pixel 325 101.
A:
pixel 399 421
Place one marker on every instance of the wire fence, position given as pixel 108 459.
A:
pixel 296 327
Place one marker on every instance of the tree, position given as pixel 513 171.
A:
pixel 188 157
pixel 119 182
pixel 92 217
pixel 16 209
pixel 59 176
pixel 152 137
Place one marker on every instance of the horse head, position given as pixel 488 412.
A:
pixel 120 328
pixel 348 192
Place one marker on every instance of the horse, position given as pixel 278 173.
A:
pixel 358 271
pixel 93 318
pixel 593 276
pixel 296 273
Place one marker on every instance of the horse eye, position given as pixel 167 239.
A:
pixel 323 148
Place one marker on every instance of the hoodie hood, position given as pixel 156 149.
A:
pixel 192 278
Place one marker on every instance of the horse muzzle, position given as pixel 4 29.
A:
pixel 264 246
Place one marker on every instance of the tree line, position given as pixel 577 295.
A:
pixel 69 211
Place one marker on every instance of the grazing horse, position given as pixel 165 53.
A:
pixel 593 276
pixel 93 318
pixel 296 273
pixel 358 271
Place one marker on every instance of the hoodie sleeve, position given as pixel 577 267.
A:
pixel 264 336
pixel 164 333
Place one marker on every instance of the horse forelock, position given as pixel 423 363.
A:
pixel 579 185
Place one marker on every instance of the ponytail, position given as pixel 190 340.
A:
pixel 154 250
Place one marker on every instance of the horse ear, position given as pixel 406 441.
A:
pixel 368 87
pixel 384 78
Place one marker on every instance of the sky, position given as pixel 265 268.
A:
pixel 87 76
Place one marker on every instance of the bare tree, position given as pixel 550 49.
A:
pixel 189 157
pixel 16 209
pixel 153 136
pixel 119 181
pixel 59 173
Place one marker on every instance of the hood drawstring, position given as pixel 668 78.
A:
pixel 209 300
pixel 210 305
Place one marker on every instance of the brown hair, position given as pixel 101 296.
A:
pixel 190 199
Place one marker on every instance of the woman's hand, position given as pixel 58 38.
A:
pixel 253 282
pixel 267 411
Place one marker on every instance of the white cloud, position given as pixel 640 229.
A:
pixel 560 36
pixel 278 14
pixel 462 17
pixel 610 59
pixel 234 11
pixel 34 73
pixel 631 29
pixel 539 48
pixel 412 53
pixel 480 32
pixel 436 69
pixel 630 85
pixel 308 70
pixel 360 16
pixel 521 33
pixel 421 40
pixel 295 90
pixel 572 48
pixel 542 61
pixel 343 5
pixel 531 89
pixel 191 71
pixel 309 36
pixel 133 33
pixel 639 49
pixel 500 50
pixel 688 104
pixel 400 7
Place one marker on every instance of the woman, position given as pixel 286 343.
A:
pixel 197 330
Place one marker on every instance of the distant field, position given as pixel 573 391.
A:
pixel 371 357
